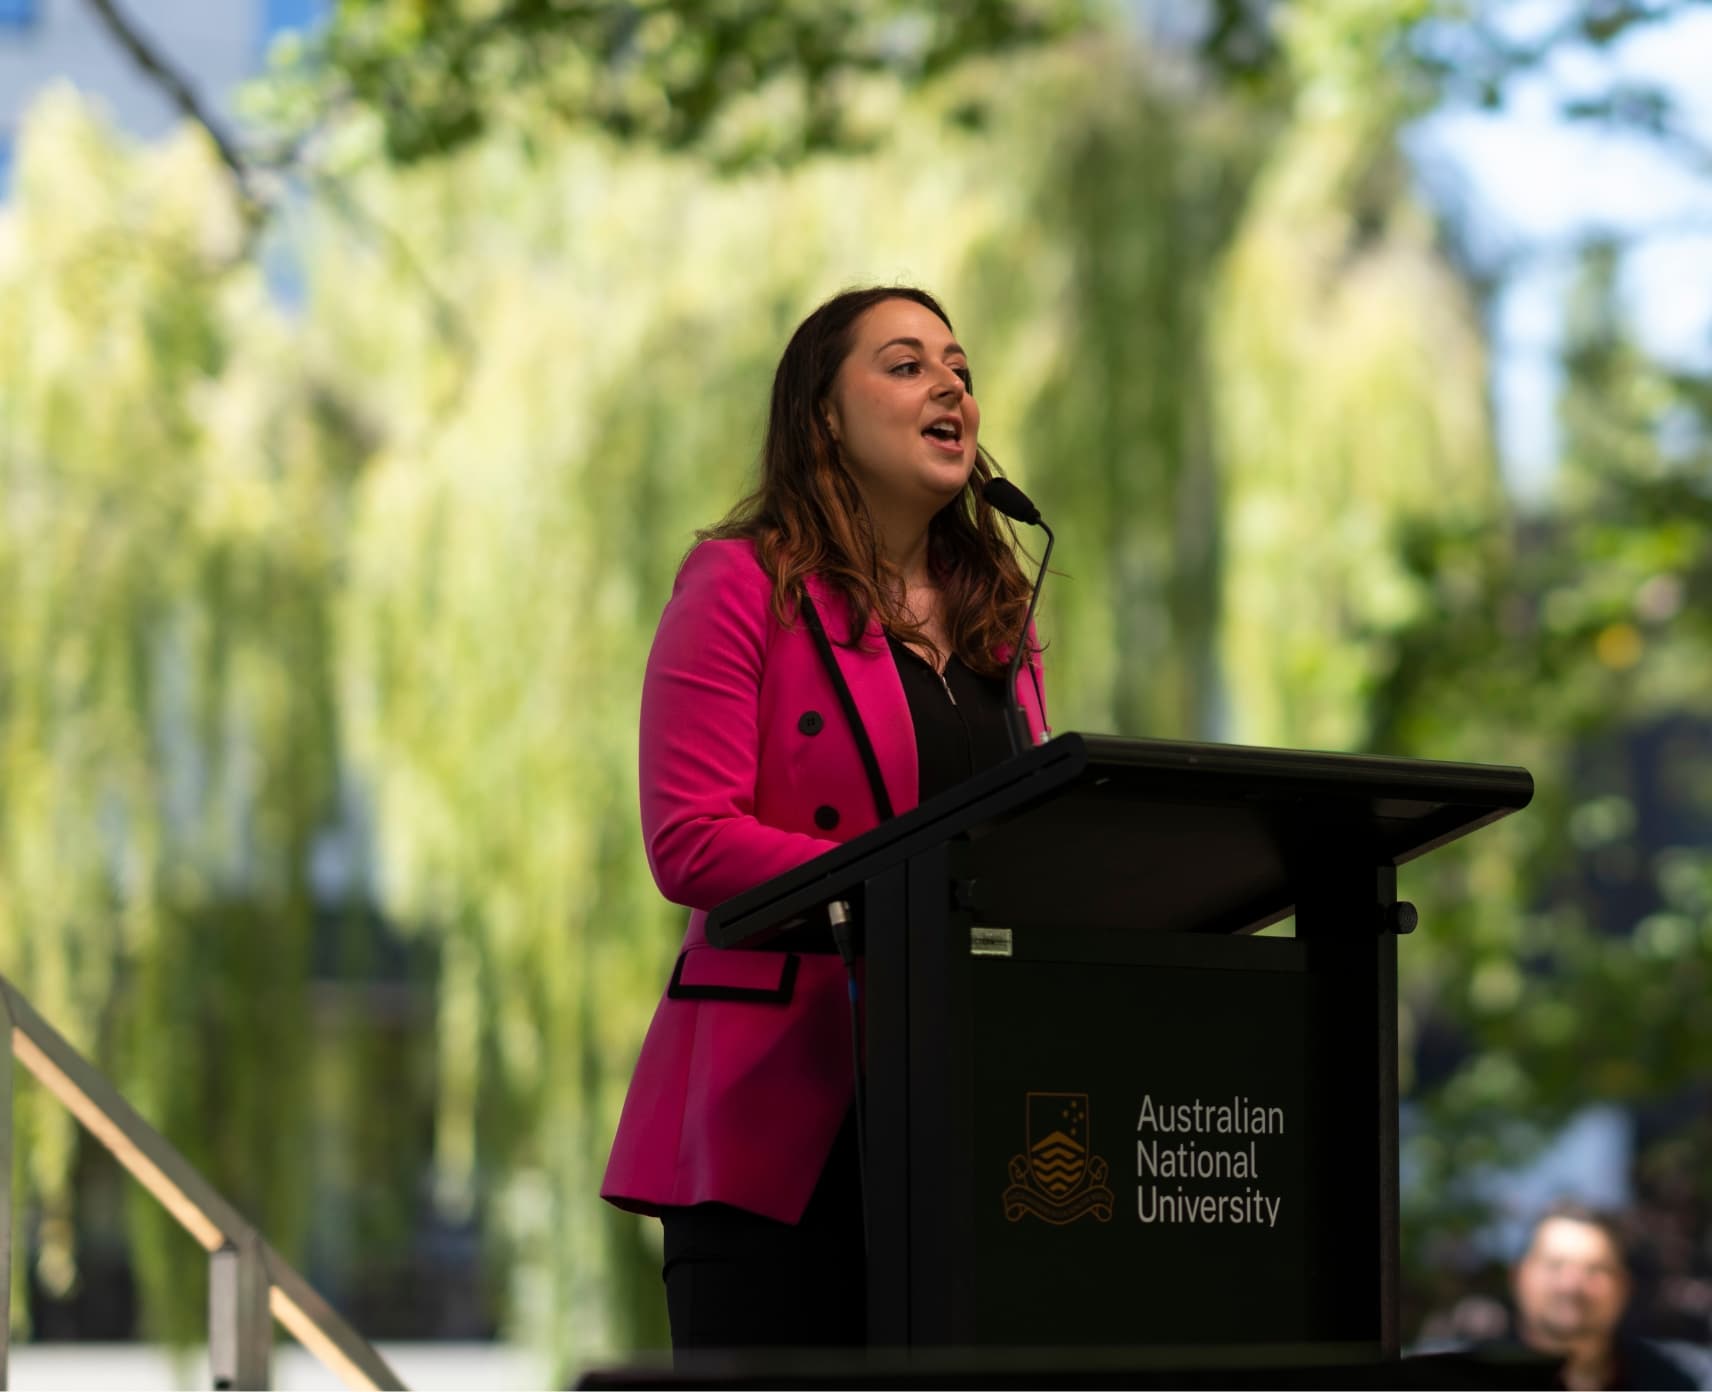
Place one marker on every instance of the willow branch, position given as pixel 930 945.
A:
pixel 173 84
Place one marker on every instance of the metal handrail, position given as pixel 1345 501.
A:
pixel 248 1280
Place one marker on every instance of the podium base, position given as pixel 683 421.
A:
pixel 1065 1368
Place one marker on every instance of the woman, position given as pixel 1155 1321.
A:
pixel 868 527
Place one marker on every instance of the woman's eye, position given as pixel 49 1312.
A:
pixel 968 378
pixel 906 366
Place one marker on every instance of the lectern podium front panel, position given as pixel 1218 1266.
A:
pixel 1163 1151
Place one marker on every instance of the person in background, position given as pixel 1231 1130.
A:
pixel 1572 1287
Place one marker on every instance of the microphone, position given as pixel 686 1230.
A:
pixel 1004 496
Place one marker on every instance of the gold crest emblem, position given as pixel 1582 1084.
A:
pixel 1057 1179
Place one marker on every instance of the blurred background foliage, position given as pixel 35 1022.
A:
pixel 346 461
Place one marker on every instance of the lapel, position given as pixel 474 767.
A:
pixel 874 685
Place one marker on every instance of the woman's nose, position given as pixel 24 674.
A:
pixel 949 384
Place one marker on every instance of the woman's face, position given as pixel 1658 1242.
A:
pixel 902 410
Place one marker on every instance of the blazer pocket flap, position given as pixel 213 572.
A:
pixel 733 974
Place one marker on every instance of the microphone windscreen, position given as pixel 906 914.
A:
pixel 1004 495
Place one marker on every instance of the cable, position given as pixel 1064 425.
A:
pixel 838 914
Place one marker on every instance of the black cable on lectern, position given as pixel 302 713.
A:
pixel 843 936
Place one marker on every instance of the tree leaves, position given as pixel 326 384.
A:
pixel 683 74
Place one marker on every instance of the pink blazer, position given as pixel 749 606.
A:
pixel 749 769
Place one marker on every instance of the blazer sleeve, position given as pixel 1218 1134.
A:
pixel 701 738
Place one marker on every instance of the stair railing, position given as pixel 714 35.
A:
pixel 247 1280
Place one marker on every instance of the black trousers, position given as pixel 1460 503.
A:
pixel 735 1280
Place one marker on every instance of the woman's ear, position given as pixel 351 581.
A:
pixel 829 413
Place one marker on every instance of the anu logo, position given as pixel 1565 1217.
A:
pixel 1056 1179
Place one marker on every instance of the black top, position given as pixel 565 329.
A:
pixel 1636 1363
pixel 959 719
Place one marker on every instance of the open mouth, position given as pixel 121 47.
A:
pixel 948 434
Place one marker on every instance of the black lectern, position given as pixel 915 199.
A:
pixel 1101 1114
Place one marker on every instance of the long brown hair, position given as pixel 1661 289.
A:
pixel 808 517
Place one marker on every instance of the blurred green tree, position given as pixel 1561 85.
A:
pixel 168 737
pixel 1570 953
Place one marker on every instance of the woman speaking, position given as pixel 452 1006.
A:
pixel 832 653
